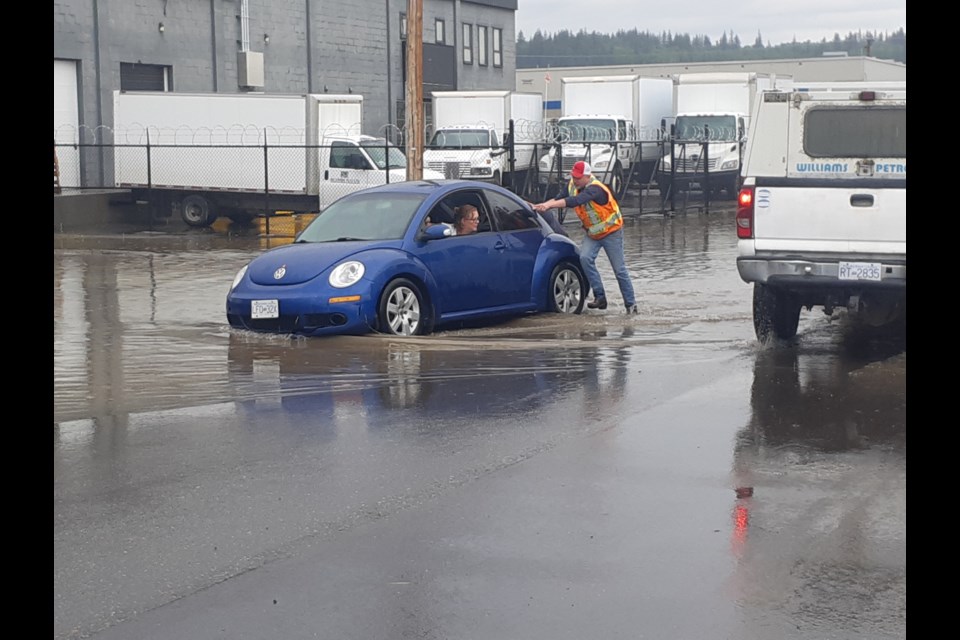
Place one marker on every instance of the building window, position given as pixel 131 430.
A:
pixel 441 33
pixel 467 43
pixel 482 46
pixel 403 26
pixel 145 77
pixel 498 47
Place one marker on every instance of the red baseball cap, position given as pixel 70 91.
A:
pixel 581 169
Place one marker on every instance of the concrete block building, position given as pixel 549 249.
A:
pixel 270 46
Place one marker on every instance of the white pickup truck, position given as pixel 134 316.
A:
pixel 822 215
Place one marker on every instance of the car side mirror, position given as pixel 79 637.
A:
pixel 436 231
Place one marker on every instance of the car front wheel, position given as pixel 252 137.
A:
pixel 402 310
pixel 567 289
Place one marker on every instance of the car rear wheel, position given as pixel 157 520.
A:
pixel 775 313
pixel 567 289
pixel 402 310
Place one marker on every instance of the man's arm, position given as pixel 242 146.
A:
pixel 591 193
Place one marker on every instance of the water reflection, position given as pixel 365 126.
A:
pixel 449 379
pixel 819 525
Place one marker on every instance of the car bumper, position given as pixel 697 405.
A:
pixel 794 273
pixel 307 316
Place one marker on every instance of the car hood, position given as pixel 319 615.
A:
pixel 297 263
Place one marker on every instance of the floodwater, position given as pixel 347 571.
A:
pixel 659 476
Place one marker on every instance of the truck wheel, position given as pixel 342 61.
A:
pixel 775 313
pixel 567 289
pixel 402 309
pixel 195 211
pixel 616 181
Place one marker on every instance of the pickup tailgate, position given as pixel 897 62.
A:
pixel 844 217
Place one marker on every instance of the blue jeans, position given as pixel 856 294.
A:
pixel 612 245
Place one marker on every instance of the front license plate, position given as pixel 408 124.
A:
pixel 859 271
pixel 261 309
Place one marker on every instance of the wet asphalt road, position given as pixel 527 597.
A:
pixel 546 477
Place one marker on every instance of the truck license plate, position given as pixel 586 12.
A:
pixel 261 309
pixel 859 271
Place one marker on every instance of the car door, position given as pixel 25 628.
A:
pixel 522 236
pixel 471 271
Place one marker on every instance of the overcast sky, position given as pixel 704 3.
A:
pixel 778 21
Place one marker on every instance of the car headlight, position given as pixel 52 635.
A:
pixel 601 164
pixel 237 278
pixel 729 164
pixel 346 274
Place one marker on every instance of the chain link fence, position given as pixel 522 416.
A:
pixel 245 172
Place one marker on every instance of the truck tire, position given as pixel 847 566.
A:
pixel 195 210
pixel 775 313
pixel 616 181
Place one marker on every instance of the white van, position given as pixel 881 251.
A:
pixel 822 215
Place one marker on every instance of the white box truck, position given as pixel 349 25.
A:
pixel 239 155
pixel 712 117
pixel 626 110
pixel 470 134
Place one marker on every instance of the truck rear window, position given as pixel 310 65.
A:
pixel 845 132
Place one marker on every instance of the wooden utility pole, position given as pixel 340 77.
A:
pixel 414 93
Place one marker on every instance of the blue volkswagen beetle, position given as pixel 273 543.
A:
pixel 378 261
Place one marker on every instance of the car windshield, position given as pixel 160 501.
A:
pixel 364 216
pixel 716 128
pixel 461 138
pixel 587 130
pixel 382 153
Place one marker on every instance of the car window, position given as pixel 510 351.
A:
pixel 509 214
pixel 444 211
pixel 364 216
pixel 846 132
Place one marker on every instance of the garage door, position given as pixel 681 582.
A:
pixel 66 121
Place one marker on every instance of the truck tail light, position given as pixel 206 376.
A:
pixel 745 213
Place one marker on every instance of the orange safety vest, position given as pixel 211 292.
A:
pixel 598 220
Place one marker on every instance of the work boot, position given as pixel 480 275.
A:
pixel 631 309
pixel 598 303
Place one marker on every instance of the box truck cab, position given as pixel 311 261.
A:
pixel 468 152
pixel 611 121
pixel 710 129
pixel 588 137
pixel 471 129
pixel 351 163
